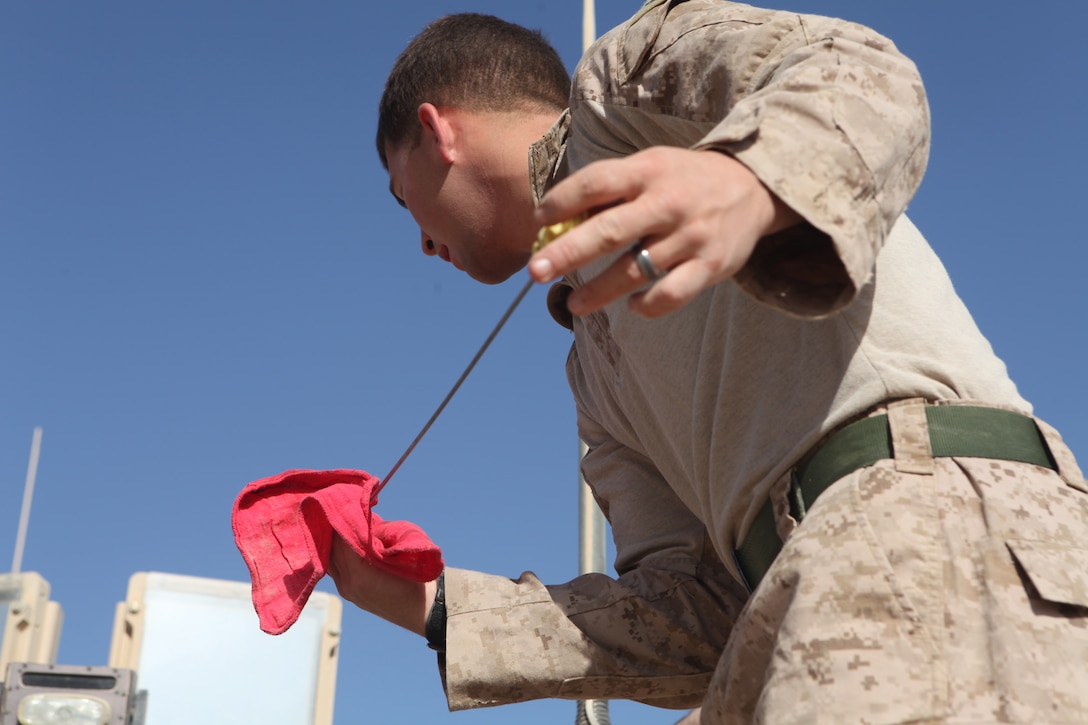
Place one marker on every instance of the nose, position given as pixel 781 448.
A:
pixel 427 243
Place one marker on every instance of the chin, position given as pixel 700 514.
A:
pixel 499 274
pixel 491 277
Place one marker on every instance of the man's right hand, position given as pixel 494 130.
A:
pixel 396 599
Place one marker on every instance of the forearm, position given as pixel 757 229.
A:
pixel 402 602
pixel 395 599
pixel 782 215
pixel 654 637
pixel 654 633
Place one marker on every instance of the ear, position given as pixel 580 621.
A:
pixel 439 131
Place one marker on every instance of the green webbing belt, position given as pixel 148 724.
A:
pixel 954 431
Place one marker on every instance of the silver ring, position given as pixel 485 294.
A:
pixel 645 264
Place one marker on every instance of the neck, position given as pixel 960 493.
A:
pixel 502 163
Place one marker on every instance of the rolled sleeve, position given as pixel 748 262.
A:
pixel 828 114
pixel 653 634
pixel 841 136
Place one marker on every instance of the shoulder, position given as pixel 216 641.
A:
pixel 723 41
pixel 686 48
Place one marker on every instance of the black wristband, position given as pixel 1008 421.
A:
pixel 435 629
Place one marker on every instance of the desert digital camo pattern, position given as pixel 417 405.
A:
pixel 954 596
pixel 516 641
pixel 754 83
pixel 897 598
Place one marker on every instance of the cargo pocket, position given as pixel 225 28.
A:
pixel 1058 574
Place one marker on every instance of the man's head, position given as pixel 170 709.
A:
pixel 472 62
pixel 461 107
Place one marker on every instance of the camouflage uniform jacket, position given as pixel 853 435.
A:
pixel 690 419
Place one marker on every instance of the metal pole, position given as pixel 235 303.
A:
pixel 591 541
pixel 589 24
pixel 591 544
pixel 28 494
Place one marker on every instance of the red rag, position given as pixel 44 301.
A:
pixel 284 524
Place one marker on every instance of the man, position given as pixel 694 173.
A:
pixel 779 389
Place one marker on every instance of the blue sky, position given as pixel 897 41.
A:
pixel 204 281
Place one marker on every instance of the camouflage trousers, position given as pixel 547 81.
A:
pixel 947 590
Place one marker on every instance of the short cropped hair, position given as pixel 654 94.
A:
pixel 472 62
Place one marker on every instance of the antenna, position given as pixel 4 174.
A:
pixel 28 494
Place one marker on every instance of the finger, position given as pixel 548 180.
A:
pixel 599 184
pixel 677 288
pixel 620 279
pixel 600 235
pixel 604 233
pixel 610 193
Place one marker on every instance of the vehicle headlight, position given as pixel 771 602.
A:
pixel 61 709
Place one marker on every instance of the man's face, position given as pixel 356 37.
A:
pixel 457 207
